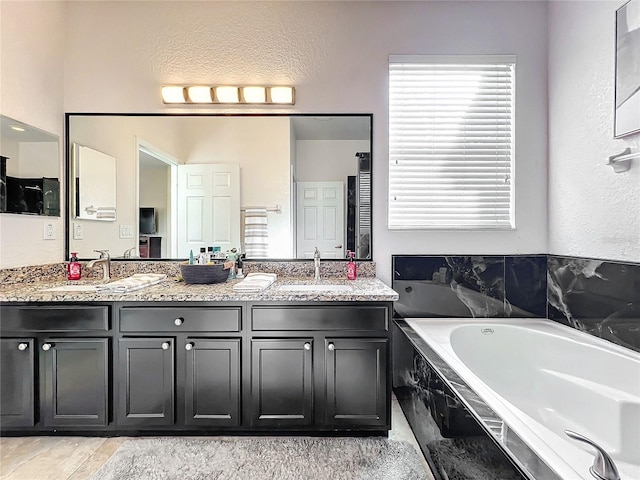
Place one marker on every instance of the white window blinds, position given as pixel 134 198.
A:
pixel 451 123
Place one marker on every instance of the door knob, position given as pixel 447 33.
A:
pixel 23 346
pixel 46 346
pixel 331 347
pixel 307 346
pixel 178 321
pixel 338 246
pixel 165 346
pixel 188 346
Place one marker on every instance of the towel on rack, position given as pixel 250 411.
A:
pixel 256 235
pixel 255 282
pixel 106 212
pixel 132 283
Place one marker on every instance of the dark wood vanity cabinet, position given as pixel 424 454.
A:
pixel 195 366
pixel 146 385
pixel 76 382
pixel 356 375
pixel 321 366
pixel 55 368
pixel 17 382
pixel 282 383
pixel 179 367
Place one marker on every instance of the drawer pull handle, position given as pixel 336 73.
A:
pixel 46 346
pixel 23 346
pixel 188 346
pixel 178 321
pixel 307 346
pixel 331 347
pixel 165 346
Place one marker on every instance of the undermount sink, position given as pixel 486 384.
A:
pixel 316 288
pixel 71 288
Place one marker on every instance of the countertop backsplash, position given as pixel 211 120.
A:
pixel 122 269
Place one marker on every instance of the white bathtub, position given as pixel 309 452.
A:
pixel 541 378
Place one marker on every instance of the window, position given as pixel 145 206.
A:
pixel 451 142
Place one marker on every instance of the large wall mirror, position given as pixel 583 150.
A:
pixel 29 169
pixel 273 186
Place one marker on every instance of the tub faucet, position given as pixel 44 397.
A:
pixel 316 264
pixel 104 261
pixel 603 467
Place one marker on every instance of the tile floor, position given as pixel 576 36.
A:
pixel 78 458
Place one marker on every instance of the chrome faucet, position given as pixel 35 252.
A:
pixel 128 252
pixel 316 264
pixel 603 467
pixel 104 261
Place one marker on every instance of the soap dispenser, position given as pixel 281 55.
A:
pixel 74 271
pixel 352 271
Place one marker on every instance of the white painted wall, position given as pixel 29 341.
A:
pixel 593 212
pixel 118 54
pixel 31 91
pixel 327 160
pixel 336 54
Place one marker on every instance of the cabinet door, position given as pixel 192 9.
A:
pixel 281 382
pixel 17 382
pixel 76 381
pixel 146 382
pixel 356 382
pixel 212 386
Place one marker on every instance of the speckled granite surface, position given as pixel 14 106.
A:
pixel 57 271
pixel 172 290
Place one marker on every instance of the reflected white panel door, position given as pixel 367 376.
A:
pixel 320 219
pixel 208 207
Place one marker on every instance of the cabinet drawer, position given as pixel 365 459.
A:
pixel 319 318
pixel 179 319
pixel 55 318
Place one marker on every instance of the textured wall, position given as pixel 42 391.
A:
pixel 336 54
pixel 31 84
pixel 593 212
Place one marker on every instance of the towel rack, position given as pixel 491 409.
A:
pixel 622 161
pixel 277 208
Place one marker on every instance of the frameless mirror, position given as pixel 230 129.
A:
pixel 273 186
pixel 29 169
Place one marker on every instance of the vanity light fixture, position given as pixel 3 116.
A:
pixel 228 94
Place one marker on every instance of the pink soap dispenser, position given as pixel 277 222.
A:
pixel 352 271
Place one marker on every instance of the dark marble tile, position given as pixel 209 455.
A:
pixel 455 445
pixel 462 441
pixel 525 285
pixel 452 286
pixel 602 298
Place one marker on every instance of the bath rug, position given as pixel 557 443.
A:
pixel 279 458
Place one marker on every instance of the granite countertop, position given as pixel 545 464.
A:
pixel 172 290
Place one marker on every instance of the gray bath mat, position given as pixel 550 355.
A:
pixel 281 458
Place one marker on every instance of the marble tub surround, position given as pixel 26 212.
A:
pixel 597 296
pixel 122 269
pixel 173 290
pixel 462 442
pixel 470 286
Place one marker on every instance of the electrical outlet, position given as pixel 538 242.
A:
pixel 78 231
pixel 126 231
pixel 49 231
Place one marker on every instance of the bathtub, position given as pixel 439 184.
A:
pixel 541 378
